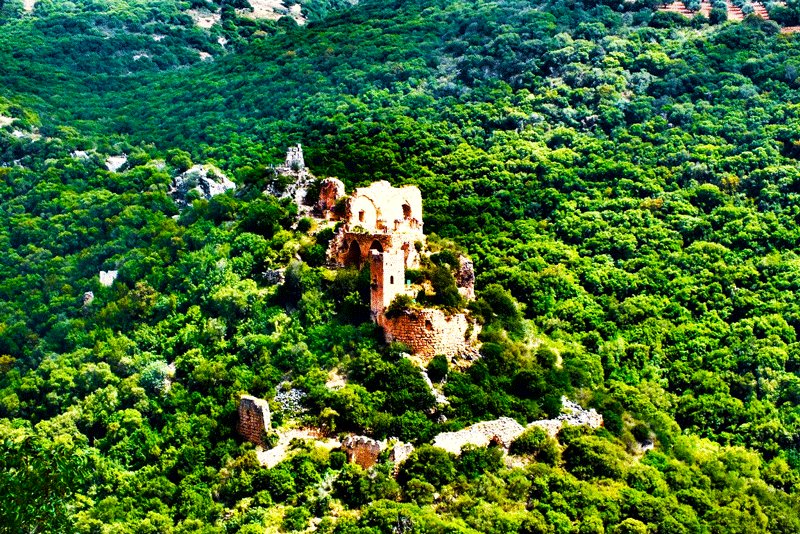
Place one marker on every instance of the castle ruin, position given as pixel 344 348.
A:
pixel 382 227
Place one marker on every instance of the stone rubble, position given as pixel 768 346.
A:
pixel 480 434
pixel 207 180
pixel 440 398
pixel 290 399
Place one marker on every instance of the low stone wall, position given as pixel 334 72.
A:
pixel 254 419
pixel 429 332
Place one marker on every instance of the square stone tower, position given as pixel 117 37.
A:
pixel 387 271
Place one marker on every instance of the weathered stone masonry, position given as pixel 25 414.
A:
pixel 429 332
pixel 254 419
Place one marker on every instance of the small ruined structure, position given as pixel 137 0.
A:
pixel 362 450
pixel 365 451
pixel 300 180
pixel 382 227
pixel 294 159
pixel 254 419
pixel 330 191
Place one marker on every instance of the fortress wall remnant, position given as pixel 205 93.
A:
pixel 341 250
pixel 330 191
pixel 254 419
pixel 429 332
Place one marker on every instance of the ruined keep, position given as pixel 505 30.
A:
pixel 381 218
pixel 254 419
pixel 382 227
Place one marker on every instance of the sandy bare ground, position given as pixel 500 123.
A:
pixel 271 10
pixel 204 19
pixel 5 121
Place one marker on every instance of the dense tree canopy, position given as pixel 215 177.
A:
pixel 624 181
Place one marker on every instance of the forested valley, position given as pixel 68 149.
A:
pixel 625 180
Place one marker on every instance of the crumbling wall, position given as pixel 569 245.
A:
pixel 362 450
pixel 465 278
pixel 383 208
pixel 254 419
pixel 330 191
pixel 342 246
pixel 429 332
pixel 503 431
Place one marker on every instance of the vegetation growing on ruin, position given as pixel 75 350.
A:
pixel 626 184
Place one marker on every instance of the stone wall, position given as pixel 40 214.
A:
pixel 352 249
pixel 429 332
pixel 330 191
pixel 362 450
pixel 254 419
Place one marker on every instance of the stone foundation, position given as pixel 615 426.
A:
pixel 254 419
pixel 429 332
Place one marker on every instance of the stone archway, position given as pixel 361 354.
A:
pixel 376 245
pixel 353 255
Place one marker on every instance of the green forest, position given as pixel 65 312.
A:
pixel 625 180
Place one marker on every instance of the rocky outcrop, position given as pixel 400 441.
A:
pixel 465 278
pixel 107 278
pixel 207 180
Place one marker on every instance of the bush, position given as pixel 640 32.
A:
pixel 437 368
pixel 536 443
pixel 295 518
pixel 400 305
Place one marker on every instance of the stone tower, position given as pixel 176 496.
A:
pixel 387 271
pixel 254 419
pixel 294 158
